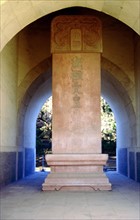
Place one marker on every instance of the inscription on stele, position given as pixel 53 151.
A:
pixel 76 78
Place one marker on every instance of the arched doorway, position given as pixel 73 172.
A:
pixel 113 95
pixel 44 134
pixel 29 110
pixel 108 135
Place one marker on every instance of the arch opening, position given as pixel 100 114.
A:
pixel 37 94
pixel 114 98
pixel 108 135
pixel 44 135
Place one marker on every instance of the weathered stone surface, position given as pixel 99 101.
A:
pixel 77 162
pixel 76 182
pixel 20 165
pixel 7 167
pixel 76 172
pixel 76 34
pixel 76 103
pixel 132 165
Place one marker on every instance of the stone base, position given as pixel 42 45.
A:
pixel 76 182
pixel 76 172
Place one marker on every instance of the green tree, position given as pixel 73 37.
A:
pixel 44 129
pixel 108 129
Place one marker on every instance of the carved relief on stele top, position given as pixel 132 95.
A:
pixel 76 34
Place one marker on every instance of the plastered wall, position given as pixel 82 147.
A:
pixel 33 48
pixel 8 113
pixel 9 63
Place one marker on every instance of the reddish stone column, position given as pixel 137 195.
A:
pixel 76 162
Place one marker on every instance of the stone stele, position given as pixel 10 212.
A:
pixel 76 162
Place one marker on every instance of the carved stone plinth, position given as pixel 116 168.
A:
pixel 76 172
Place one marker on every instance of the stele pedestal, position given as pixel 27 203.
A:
pixel 76 162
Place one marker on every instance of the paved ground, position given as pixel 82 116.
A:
pixel 25 200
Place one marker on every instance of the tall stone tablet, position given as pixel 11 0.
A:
pixel 76 162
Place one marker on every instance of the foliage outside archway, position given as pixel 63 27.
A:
pixel 108 129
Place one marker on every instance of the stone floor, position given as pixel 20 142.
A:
pixel 24 200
